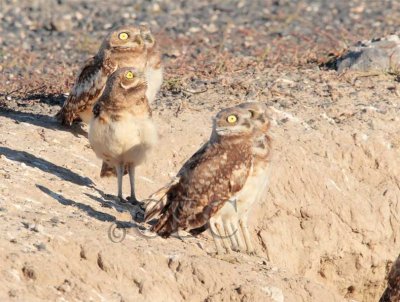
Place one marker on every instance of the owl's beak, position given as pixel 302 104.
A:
pixel 223 130
pixel 139 40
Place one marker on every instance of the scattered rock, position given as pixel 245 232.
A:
pixel 12 293
pixel 65 287
pixel 61 25
pixel 40 246
pixel 381 54
pixel 275 293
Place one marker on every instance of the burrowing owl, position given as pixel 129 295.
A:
pixel 121 131
pixel 233 216
pixel 211 177
pixel 122 47
pixel 154 70
pixel 154 76
pixel 392 292
pixel 256 184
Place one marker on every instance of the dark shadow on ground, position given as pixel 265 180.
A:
pixel 113 234
pixel 108 201
pixel 40 120
pixel 52 99
pixel 136 211
pixel 86 208
pixel 46 166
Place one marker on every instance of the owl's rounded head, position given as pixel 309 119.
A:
pixel 129 79
pixel 124 39
pixel 233 121
pixel 259 114
pixel 147 36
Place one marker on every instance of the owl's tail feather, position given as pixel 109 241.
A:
pixel 153 210
pixel 158 200
pixel 67 114
pixel 63 117
pixel 164 226
pixel 199 230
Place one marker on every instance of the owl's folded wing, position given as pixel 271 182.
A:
pixel 212 179
pixel 87 89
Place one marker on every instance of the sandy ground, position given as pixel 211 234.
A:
pixel 328 228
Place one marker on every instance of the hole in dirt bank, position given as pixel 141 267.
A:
pixel 29 272
pixel 351 289
pixel 82 253
pixel 100 262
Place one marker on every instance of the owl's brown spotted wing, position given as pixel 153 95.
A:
pixel 208 180
pixel 86 90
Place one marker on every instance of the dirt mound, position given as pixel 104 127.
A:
pixel 329 216
pixel 57 242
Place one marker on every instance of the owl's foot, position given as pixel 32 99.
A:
pixel 137 213
pixel 121 200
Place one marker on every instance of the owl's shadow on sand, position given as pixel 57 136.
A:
pixel 41 120
pixel 46 166
pixel 109 201
pixel 83 207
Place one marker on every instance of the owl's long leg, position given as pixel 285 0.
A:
pixel 217 239
pixel 231 233
pixel 223 235
pixel 131 171
pixel 120 173
pixel 246 235
pixel 238 237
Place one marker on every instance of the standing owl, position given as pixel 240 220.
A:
pixel 215 174
pixel 154 76
pixel 392 292
pixel 122 47
pixel 121 131
pixel 233 216
pixel 236 224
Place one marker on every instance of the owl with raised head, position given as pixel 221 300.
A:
pixel 122 47
pixel 392 292
pixel 215 174
pixel 121 132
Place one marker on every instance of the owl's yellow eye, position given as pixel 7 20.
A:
pixel 232 119
pixel 123 36
pixel 129 75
